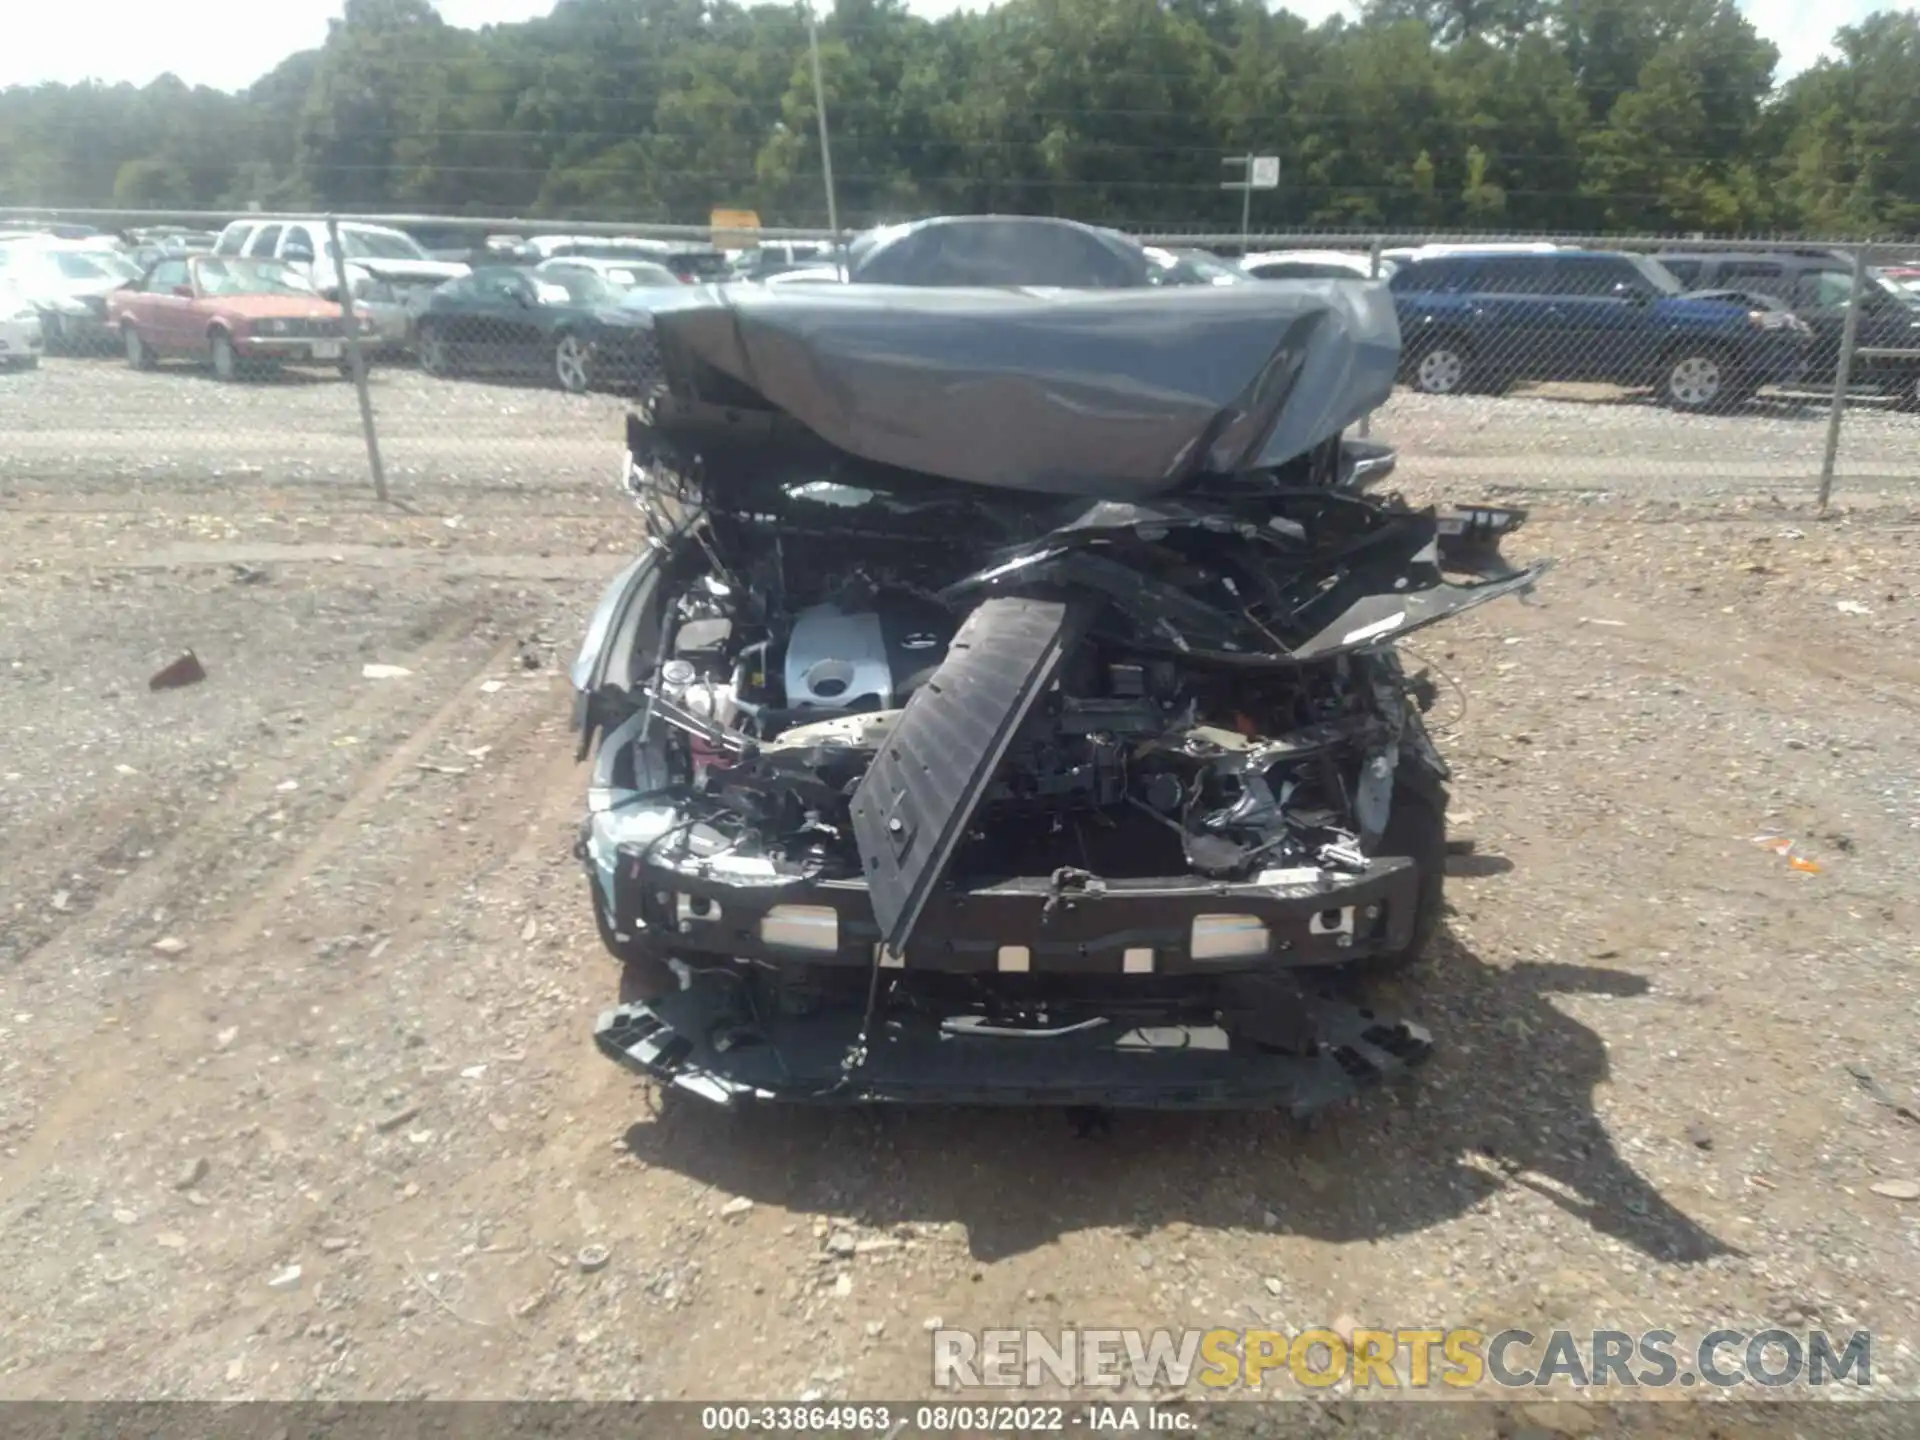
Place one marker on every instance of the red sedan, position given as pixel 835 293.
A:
pixel 231 314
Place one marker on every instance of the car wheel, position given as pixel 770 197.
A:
pixel 1697 380
pixel 225 360
pixel 1907 391
pixel 1442 369
pixel 436 357
pixel 139 353
pixel 1417 830
pixel 572 364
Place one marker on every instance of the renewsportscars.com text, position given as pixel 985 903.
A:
pixel 1456 1359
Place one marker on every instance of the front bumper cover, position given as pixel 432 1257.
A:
pixel 1302 917
pixel 693 1040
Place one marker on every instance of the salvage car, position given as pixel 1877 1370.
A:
pixel 67 285
pixel 690 263
pixel 618 275
pixel 1482 320
pixel 954 250
pixel 237 317
pixel 389 276
pixel 568 326
pixel 21 342
pixel 1004 707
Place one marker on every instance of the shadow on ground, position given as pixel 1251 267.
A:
pixel 1507 1100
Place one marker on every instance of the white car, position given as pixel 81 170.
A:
pixel 67 284
pixel 811 275
pixel 1315 265
pixel 619 274
pixel 20 337
pixel 388 273
pixel 1407 254
pixel 691 262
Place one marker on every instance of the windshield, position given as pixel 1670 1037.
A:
pixel 631 275
pixel 1899 290
pixel 602 250
pixel 378 245
pixel 249 277
pixel 1192 267
pixel 1657 275
pixel 62 268
pixel 583 287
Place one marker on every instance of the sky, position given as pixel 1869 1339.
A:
pixel 50 41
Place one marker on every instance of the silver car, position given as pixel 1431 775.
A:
pixel 67 285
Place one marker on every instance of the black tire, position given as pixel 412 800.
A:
pixel 1442 367
pixel 572 367
pixel 1699 380
pixel 222 358
pixel 1416 829
pixel 1906 391
pixel 644 974
pixel 436 355
pixel 139 354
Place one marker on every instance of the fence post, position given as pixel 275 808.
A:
pixel 1843 376
pixel 350 324
pixel 1373 273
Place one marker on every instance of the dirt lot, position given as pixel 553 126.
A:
pixel 296 973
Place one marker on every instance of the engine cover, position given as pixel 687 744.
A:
pixel 838 661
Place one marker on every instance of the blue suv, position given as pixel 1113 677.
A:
pixel 1480 320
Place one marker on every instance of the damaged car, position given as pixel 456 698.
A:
pixel 1005 708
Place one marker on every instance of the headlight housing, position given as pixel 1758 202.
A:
pixel 372 290
pixel 1772 320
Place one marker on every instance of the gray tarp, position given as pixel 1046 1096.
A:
pixel 1118 393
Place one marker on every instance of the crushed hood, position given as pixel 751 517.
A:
pixel 1116 393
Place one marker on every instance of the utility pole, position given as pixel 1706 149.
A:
pixel 820 110
pixel 1261 172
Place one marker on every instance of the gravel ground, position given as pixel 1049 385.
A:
pixel 296 971
pixel 94 424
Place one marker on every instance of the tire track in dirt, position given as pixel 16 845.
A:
pixel 166 1009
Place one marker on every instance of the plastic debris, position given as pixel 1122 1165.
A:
pixel 1783 846
pixel 384 672
pixel 1896 1189
pixel 592 1258
pixel 187 670
pixel 1851 607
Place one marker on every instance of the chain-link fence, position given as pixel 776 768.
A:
pixel 1643 367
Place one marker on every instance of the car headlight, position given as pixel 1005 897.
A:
pixel 1770 320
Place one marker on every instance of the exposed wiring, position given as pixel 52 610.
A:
pixel 1458 689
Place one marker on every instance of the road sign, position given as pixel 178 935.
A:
pixel 735 229
pixel 1264 173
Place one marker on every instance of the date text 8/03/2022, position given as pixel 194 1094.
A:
pixel 942 1419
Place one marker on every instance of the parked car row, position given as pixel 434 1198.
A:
pixel 235 313
pixel 1703 328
